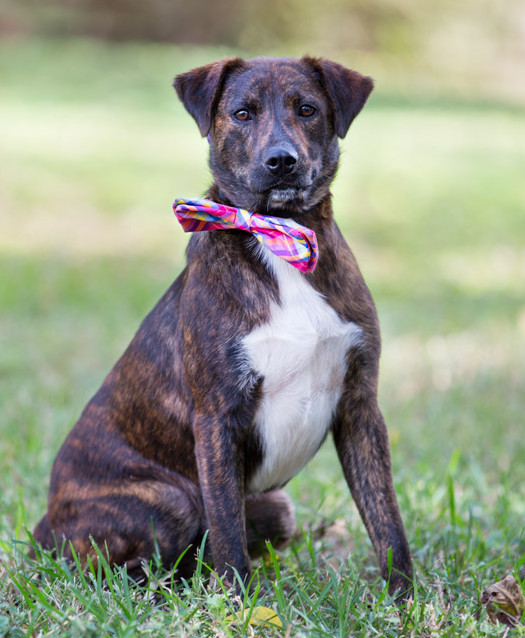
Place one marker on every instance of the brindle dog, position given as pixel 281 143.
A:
pixel 235 378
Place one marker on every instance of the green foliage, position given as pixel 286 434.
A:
pixel 94 147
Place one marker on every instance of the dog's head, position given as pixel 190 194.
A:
pixel 272 125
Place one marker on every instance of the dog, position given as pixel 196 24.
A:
pixel 241 370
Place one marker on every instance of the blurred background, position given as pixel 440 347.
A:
pixel 94 147
pixel 469 44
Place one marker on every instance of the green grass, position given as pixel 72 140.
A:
pixel 93 148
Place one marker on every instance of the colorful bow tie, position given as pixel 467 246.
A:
pixel 292 242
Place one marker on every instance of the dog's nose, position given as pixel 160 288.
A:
pixel 280 161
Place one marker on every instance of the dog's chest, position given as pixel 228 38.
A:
pixel 301 355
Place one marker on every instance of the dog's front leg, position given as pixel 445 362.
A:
pixel 361 440
pixel 220 465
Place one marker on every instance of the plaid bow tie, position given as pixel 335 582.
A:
pixel 292 242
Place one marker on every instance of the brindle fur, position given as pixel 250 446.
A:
pixel 165 449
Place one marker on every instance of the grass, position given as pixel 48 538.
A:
pixel 94 147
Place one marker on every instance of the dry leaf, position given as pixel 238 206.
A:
pixel 505 602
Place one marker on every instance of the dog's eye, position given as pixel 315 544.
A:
pixel 306 110
pixel 243 115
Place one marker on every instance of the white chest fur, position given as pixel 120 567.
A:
pixel 301 355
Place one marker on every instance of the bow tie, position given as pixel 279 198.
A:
pixel 288 240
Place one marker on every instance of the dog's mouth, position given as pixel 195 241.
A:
pixel 292 196
pixel 295 199
pixel 282 196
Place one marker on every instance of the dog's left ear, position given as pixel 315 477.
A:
pixel 199 90
pixel 348 90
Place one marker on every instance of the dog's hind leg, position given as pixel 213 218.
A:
pixel 43 535
pixel 129 525
pixel 269 517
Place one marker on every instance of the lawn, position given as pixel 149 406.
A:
pixel 93 148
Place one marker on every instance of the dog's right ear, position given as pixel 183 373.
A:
pixel 199 90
